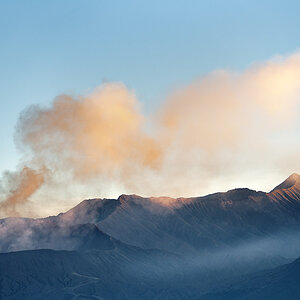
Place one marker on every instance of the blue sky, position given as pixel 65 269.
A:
pixel 53 47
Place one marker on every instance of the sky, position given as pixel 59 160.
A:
pixel 153 48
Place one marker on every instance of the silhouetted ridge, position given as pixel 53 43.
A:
pixel 126 198
pixel 240 193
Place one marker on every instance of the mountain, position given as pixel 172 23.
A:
pixel 145 248
pixel 205 224
pixel 184 225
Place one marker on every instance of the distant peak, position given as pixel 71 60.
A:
pixel 295 177
pixel 289 182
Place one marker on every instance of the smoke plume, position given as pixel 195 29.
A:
pixel 22 185
pixel 220 125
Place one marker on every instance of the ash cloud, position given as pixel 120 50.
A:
pixel 19 187
pixel 221 124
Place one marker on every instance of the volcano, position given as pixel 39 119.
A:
pixel 163 248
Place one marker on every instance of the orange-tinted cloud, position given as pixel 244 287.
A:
pixel 21 186
pixel 222 124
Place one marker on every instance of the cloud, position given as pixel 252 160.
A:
pixel 21 185
pixel 221 124
pixel 98 133
pixel 227 123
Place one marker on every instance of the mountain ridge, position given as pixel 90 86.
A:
pixel 135 247
pixel 184 224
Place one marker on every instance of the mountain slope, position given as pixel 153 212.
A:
pixel 292 182
pixel 216 222
pixel 213 222
pixel 121 273
pixel 124 272
pixel 156 248
pixel 281 283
